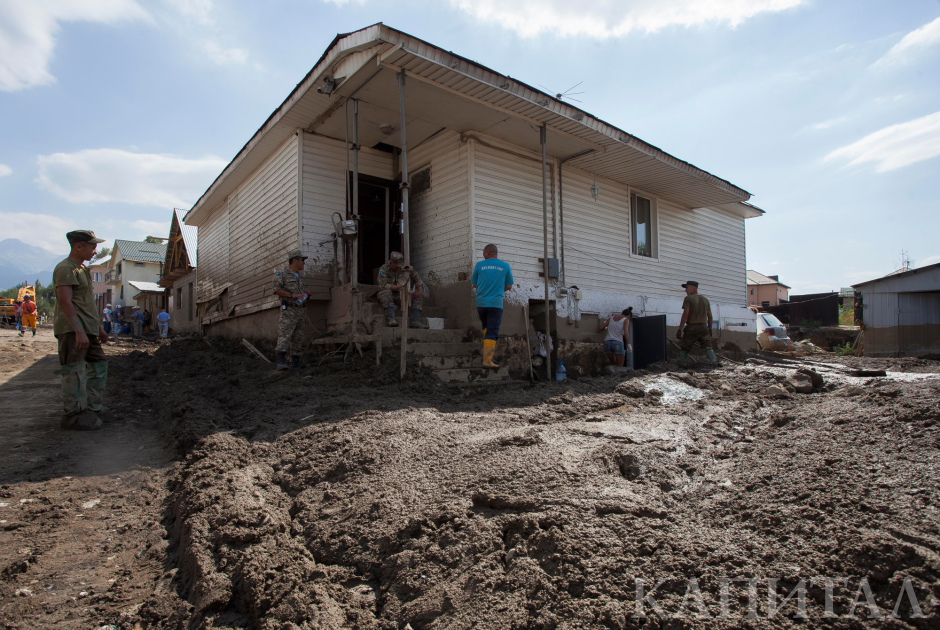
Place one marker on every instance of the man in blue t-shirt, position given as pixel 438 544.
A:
pixel 491 278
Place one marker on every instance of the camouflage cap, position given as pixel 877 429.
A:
pixel 296 253
pixel 83 236
pixel 692 282
pixel 396 257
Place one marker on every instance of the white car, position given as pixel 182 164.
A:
pixel 771 334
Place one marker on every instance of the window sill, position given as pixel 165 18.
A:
pixel 647 258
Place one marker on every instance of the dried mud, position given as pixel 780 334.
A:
pixel 336 497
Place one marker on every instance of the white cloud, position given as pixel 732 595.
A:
pixel 144 228
pixel 932 260
pixel 829 123
pixel 774 262
pixel 603 19
pixel 912 44
pixel 5 170
pixel 28 29
pixel 895 146
pixel 199 11
pixel 43 230
pixel 114 175
pixel 224 56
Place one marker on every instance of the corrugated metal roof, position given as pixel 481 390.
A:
pixel 901 273
pixel 146 287
pixel 140 251
pixel 190 236
pixel 754 277
pixel 101 262
pixel 619 155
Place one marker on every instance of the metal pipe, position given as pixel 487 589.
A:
pixel 354 281
pixel 406 246
pixel 543 133
pixel 561 209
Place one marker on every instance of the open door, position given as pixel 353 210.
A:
pixel 649 340
pixel 378 229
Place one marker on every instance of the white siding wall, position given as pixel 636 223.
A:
pixel 247 239
pixel 213 251
pixel 440 217
pixel 324 192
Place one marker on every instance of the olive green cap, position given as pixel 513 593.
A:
pixel 83 236
pixel 692 282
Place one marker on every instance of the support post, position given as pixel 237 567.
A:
pixel 543 133
pixel 354 280
pixel 405 241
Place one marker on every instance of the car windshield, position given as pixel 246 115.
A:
pixel 770 321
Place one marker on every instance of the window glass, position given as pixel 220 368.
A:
pixel 642 226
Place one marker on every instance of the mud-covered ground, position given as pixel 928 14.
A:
pixel 335 497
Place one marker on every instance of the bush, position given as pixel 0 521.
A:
pixel 810 323
pixel 844 351
pixel 847 317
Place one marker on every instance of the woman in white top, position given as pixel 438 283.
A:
pixel 618 337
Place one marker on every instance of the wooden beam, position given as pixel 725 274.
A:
pixel 499 108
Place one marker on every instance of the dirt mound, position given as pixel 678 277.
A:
pixel 332 501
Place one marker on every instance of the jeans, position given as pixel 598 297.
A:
pixel 19 321
pixel 164 330
pixel 612 346
pixel 490 318
pixel 138 328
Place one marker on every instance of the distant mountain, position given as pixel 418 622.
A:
pixel 21 262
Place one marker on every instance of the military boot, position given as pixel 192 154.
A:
pixel 282 361
pixel 683 356
pixel 415 321
pixel 295 361
pixel 390 314
pixel 710 355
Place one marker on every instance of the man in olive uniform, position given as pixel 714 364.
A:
pixel 696 322
pixel 392 277
pixel 84 368
pixel 290 287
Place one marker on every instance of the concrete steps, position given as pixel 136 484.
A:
pixel 444 351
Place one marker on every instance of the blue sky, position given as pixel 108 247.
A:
pixel 114 111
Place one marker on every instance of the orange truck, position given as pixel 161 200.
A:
pixel 6 304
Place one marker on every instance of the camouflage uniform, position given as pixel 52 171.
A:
pixel 290 327
pixel 387 278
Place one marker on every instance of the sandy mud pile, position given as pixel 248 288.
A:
pixel 333 497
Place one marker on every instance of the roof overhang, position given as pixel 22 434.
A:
pixel 444 90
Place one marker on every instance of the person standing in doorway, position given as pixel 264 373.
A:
pixel 84 368
pixel 696 323
pixel 29 315
pixel 617 343
pixel 290 287
pixel 491 278
pixel 163 323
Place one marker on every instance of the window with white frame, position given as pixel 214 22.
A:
pixel 644 226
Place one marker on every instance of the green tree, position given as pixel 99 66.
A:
pixel 154 239
pixel 104 252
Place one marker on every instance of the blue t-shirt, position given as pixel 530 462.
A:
pixel 491 278
pixel 139 316
pixel 163 317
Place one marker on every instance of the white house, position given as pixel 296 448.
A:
pixel 133 261
pixel 180 275
pixel 626 221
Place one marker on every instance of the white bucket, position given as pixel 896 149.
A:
pixel 436 323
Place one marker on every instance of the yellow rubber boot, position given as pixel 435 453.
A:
pixel 489 347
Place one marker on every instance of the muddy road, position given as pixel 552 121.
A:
pixel 335 497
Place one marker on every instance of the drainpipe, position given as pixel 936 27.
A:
pixel 406 245
pixel 561 209
pixel 543 133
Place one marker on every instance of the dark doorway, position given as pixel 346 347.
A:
pixel 378 228
pixel 649 340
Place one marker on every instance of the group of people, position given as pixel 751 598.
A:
pixel 695 326
pixel 25 313
pixel 491 279
pixel 112 321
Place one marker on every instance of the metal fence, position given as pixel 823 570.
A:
pixel 820 307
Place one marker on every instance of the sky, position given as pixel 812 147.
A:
pixel 112 112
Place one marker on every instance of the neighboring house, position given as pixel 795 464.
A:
pixel 765 290
pixel 901 313
pixel 179 275
pixel 133 261
pixel 149 296
pixel 101 289
pixel 626 221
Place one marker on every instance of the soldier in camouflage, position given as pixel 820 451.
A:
pixel 392 278
pixel 290 287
